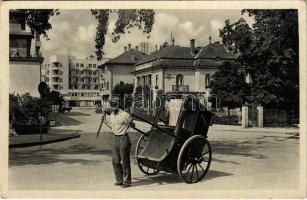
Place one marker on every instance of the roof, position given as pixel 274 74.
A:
pixel 173 52
pixel 182 56
pixel 128 57
pixel 215 50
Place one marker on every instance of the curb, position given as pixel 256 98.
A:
pixel 29 144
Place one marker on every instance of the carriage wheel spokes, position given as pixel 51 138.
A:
pixel 194 159
pixel 147 170
pixel 141 144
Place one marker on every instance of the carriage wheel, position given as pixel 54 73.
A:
pixel 139 147
pixel 194 159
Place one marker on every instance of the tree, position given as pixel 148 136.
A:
pixel 123 91
pixel 143 19
pixel 36 19
pixel 56 98
pixel 229 86
pixel 269 50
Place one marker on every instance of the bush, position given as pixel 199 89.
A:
pixel 24 111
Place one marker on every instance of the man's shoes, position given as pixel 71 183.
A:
pixel 118 184
pixel 125 185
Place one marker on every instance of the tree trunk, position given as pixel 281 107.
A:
pixel 228 111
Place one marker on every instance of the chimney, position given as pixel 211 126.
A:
pixel 129 47
pixel 125 48
pixel 156 47
pixel 209 39
pixel 137 48
pixel 192 45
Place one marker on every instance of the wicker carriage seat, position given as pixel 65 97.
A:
pixel 158 146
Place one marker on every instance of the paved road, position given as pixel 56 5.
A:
pixel 242 159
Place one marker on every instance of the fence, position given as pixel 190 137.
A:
pixel 271 117
pixel 221 116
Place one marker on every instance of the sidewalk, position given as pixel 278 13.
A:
pixel 34 139
pixel 232 128
pixel 217 127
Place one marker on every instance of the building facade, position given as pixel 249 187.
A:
pixel 182 69
pixel 120 69
pixel 78 80
pixel 24 66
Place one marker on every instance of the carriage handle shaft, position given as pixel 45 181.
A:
pixel 156 126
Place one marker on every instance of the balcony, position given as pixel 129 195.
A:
pixel 180 88
pixel 14 55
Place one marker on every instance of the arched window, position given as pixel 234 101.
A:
pixel 157 79
pixel 207 80
pixel 179 79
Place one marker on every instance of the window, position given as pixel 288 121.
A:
pixel 107 85
pixel 88 87
pixel 96 87
pixel 149 80
pixel 179 79
pixel 157 79
pixel 90 65
pixel 90 72
pixel 94 65
pixel 207 80
pixel 77 64
pixel 81 65
pixel 82 94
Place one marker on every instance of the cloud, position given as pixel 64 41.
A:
pixel 86 33
pixel 215 26
pixel 182 30
pixel 76 30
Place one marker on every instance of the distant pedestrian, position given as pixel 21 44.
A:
pixel 119 121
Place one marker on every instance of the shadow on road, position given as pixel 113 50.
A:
pixel 76 113
pixel 38 156
pixel 167 178
pixel 65 119
pixel 238 148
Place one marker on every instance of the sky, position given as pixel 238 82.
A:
pixel 75 31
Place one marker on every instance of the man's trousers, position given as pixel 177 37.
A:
pixel 121 159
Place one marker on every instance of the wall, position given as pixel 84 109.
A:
pixel 24 77
pixel 203 72
pixel 188 78
pixel 122 73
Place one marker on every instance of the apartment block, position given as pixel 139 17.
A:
pixel 78 80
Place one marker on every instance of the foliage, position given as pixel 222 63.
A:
pixel 269 50
pixel 36 19
pixel 121 90
pixel 228 85
pixel 55 97
pixel 25 109
pixel 143 19
pixel 143 90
